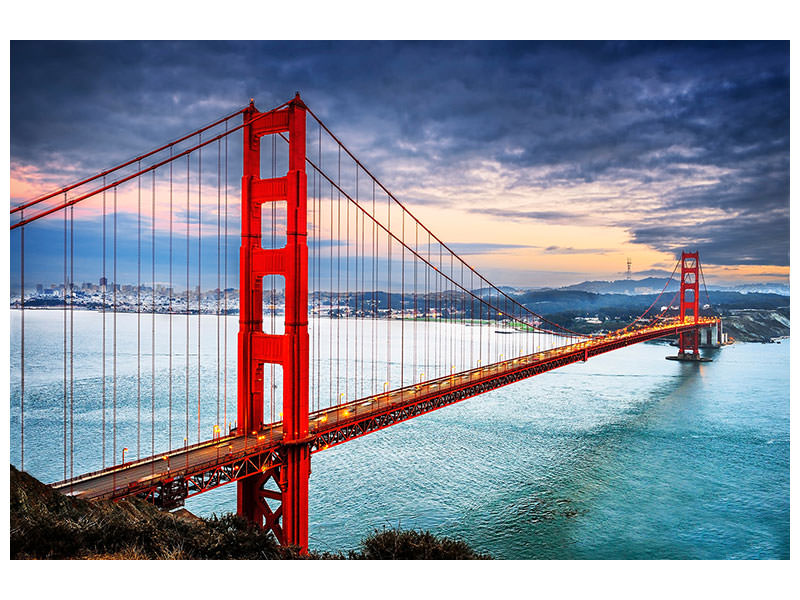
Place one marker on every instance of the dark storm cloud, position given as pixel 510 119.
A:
pixel 703 127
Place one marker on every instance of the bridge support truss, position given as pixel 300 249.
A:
pixel 289 520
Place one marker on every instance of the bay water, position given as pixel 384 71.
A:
pixel 625 456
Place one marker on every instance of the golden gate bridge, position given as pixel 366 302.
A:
pixel 352 316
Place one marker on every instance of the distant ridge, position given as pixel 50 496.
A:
pixel 653 285
pixel 648 285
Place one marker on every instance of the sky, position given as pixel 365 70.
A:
pixel 543 164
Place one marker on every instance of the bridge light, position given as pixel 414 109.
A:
pixel 346 412
pixel 124 450
pixel 324 418
pixel 341 397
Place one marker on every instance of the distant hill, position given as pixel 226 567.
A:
pixel 653 285
pixel 578 301
pixel 750 288
pixel 648 285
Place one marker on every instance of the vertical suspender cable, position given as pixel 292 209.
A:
pixel 337 354
pixel 71 336
pixel 319 271
pixel 330 303
pixel 363 294
pixel 427 306
pixel 347 372
pixel 443 333
pixel 317 287
pixel 354 312
pixel 356 349
pixel 114 343
pixel 389 293
pixel 480 324
pixel 374 296
pixel 219 274
pixel 440 353
pixel 471 322
pixel 438 358
pixel 416 316
pixel 139 319
pixel 402 298
pixel 463 320
pixel 153 322
pixel 199 268
pixel 169 309
pixel 188 287
pixel 65 340
pixel 448 331
pixel 451 304
pixel 338 272
pixel 22 346
pixel 225 300
pixel 103 291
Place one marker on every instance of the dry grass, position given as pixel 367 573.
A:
pixel 45 524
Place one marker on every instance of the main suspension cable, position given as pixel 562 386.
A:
pixel 127 163
pixel 674 269
pixel 391 235
pixel 402 206
pixel 152 167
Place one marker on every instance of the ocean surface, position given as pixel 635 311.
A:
pixel 628 456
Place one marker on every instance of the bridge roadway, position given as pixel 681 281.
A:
pixel 171 477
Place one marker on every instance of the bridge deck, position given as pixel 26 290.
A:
pixel 170 477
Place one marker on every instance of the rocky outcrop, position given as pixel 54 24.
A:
pixel 757 325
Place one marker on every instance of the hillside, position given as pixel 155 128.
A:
pixel 45 524
pixel 570 308
pixel 754 325
pixel 649 285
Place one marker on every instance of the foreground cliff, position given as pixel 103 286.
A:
pixel 46 524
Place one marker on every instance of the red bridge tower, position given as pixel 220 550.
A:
pixel 690 300
pixel 289 521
